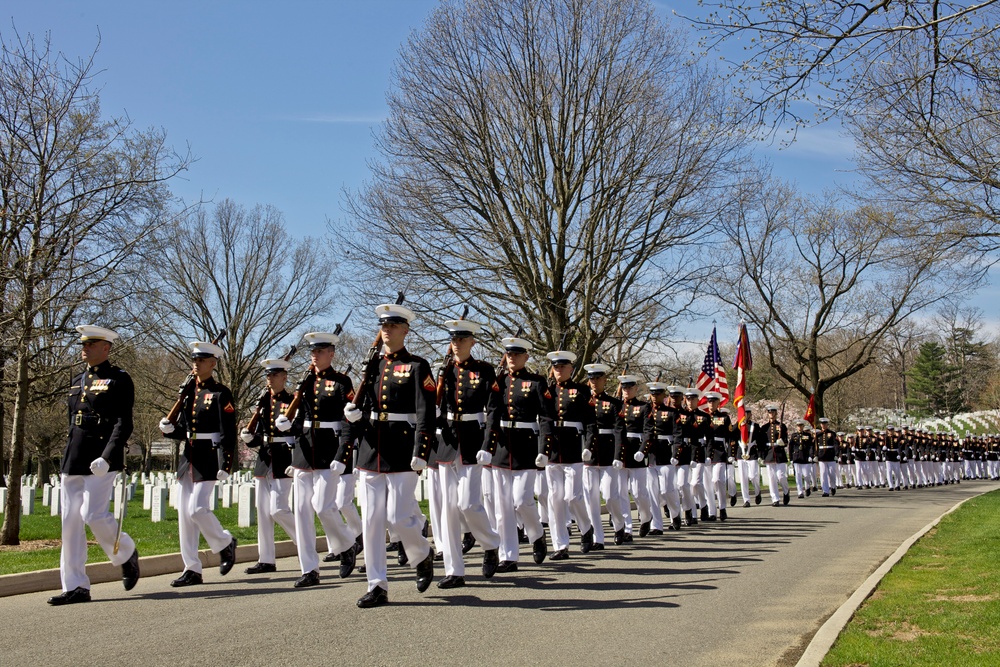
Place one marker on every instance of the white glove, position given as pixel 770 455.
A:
pixel 541 461
pixel 290 471
pixel 674 461
pixel 638 456
pixel 760 462
pixel 483 457
pixel 417 464
pixel 246 436
pixel 587 455
pixel 283 423
pixel 617 465
pixel 731 460
pixel 351 413
pixel 222 475
pixel 337 468
pixel 166 427
pixel 810 459
pixel 779 443
pixel 99 467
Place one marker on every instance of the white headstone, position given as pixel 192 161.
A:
pixel 213 502
pixel 55 502
pixel 248 506
pixel 227 495
pixel 157 503
pixel 46 495
pixel 118 501
pixel 3 499
pixel 27 500
pixel 175 494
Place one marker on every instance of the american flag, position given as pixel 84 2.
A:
pixel 712 376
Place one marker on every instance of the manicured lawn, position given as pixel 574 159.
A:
pixel 151 538
pixel 940 605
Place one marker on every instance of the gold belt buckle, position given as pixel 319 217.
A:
pixel 78 419
pixel 383 416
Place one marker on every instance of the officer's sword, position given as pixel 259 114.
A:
pixel 121 518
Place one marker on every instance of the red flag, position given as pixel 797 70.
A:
pixel 810 415
pixel 742 364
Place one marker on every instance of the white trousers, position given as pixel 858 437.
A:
pixel 683 480
pixel 84 502
pixel 462 498
pixel 272 507
pixel 345 503
pixel 894 474
pixel 489 504
pixel 514 503
pixel 655 488
pixel 608 482
pixel 565 481
pixel 389 500
pixel 749 477
pixel 316 495
pixel 542 493
pixel 707 489
pixel 635 483
pixel 193 517
pixel 434 506
pixel 669 495
pixel 802 481
pixel 731 479
pixel 720 485
pixel 697 482
pixel 828 471
pixel 777 480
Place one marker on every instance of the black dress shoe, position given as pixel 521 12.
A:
pixel 491 560
pixel 704 514
pixel 331 558
pixel 347 561
pixel 722 514
pixel 628 538
pixel 675 523
pixel 808 493
pixel 539 549
pixel 732 501
pixel 562 554
pixel 756 499
pixel 620 536
pixel 507 566
pixel 74 596
pixel 401 558
pixel 359 544
pixel 784 499
pixel 587 540
pixel 746 503
pixel 308 579
pixel 439 555
pixel 833 491
pixel 227 558
pixel 376 597
pixel 826 495
pixel 468 541
pixel 260 568
pixel 597 546
pixel 130 571
pixel 775 504
pixel 644 529
pixel 394 546
pixel 187 578
pixel 425 572
pixel 451 581
pixel 655 531
pixel 688 518
pixel 522 537
pixel 711 517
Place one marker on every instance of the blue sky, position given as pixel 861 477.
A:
pixel 278 101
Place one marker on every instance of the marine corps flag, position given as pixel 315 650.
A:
pixel 810 415
pixel 742 364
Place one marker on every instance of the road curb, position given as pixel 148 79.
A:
pixel 150 566
pixel 824 638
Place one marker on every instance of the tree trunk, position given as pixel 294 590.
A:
pixel 11 530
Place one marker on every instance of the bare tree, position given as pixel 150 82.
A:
pixel 551 163
pixel 80 194
pixel 832 282
pixel 236 269
pixel 916 82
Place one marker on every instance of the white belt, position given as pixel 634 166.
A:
pixel 336 426
pixel 474 417
pixel 631 434
pixel 668 438
pixel 511 424
pixel 606 431
pixel 205 436
pixel 409 417
pixel 563 424
pixel 284 439
pixel 720 439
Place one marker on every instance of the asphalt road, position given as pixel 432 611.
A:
pixel 752 590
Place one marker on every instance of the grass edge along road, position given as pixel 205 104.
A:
pixel 940 604
pixel 151 538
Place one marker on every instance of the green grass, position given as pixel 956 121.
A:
pixel 151 538
pixel 940 605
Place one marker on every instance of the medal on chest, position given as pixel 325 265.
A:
pixel 206 400
pixel 401 370
pixel 99 385
pixel 525 387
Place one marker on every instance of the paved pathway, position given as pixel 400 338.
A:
pixel 750 591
